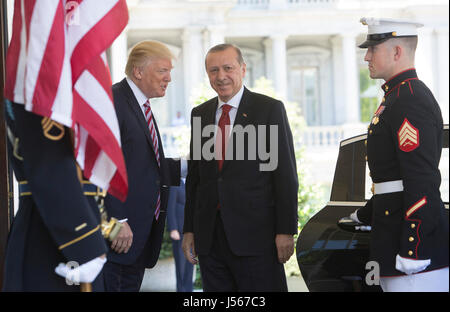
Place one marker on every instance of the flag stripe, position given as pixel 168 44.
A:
pixel 13 52
pixel 99 35
pixel 51 64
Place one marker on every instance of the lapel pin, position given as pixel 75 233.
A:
pixel 244 114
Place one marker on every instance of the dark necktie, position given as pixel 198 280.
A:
pixel 222 139
pixel 152 129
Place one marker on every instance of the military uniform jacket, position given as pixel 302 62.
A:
pixel 404 142
pixel 55 221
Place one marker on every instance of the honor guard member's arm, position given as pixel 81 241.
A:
pixel 364 214
pixel 51 173
pixel 416 128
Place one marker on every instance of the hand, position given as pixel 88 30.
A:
pixel 175 235
pixel 123 240
pixel 85 273
pixel 188 248
pixel 410 266
pixel 354 216
pixel 285 246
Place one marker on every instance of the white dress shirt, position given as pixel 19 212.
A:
pixel 234 103
pixel 138 94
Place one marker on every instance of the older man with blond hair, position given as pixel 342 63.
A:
pixel 150 174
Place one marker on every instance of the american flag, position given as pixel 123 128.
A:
pixel 56 66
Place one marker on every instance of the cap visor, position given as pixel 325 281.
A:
pixel 369 43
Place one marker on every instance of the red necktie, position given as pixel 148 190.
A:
pixel 223 138
pixel 151 127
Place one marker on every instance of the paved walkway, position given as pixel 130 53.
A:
pixel 162 278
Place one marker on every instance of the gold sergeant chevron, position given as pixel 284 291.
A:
pixel 408 137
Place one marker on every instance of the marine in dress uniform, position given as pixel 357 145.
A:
pixel 58 220
pixel 410 228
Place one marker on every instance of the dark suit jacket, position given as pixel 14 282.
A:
pixel 145 179
pixel 255 205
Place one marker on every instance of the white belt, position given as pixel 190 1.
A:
pixel 387 187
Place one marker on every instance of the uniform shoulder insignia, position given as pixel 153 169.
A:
pixel 52 129
pixel 408 137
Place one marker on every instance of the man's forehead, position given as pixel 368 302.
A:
pixel 222 58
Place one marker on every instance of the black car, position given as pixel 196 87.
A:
pixel 332 251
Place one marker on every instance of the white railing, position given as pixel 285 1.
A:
pixel 176 139
pixel 283 4
pixel 253 4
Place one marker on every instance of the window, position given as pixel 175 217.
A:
pixel 306 92
pixel 369 91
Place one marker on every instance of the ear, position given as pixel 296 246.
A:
pixel 244 69
pixel 398 52
pixel 137 73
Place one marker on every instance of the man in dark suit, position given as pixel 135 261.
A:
pixel 241 208
pixel 175 218
pixel 150 174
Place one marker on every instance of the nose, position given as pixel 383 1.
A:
pixel 168 77
pixel 367 56
pixel 221 74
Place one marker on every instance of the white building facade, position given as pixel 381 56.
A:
pixel 308 48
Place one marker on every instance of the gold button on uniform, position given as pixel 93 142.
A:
pixel 365 142
pixel 411 239
pixel 413 226
pixel 370 132
pixel 383 100
pixel 386 212
pixel 410 253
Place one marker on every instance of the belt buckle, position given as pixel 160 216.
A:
pixel 372 189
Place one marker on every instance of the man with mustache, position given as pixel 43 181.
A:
pixel 239 219
pixel 409 237
pixel 150 174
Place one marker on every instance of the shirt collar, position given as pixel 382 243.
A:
pixel 399 78
pixel 234 101
pixel 140 96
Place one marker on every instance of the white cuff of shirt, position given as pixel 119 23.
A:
pixel 184 167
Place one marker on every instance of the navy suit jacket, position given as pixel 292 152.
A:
pixel 145 179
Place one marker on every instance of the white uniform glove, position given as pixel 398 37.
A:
pixel 85 273
pixel 354 216
pixel 410 266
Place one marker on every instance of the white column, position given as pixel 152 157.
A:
pixel 338 82
pixel 193 62
pixel 268 58
pixel 216 35
pixel 424 57
pixel 119 56
pixel 279 64
pixel 349 77
pixel 442 71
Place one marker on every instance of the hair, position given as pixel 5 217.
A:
pixel 224 46
pixel 408 43
pixel 145 51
